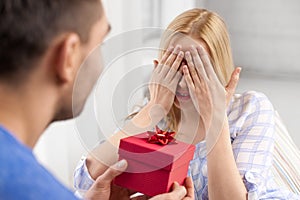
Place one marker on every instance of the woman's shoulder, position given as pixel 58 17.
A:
pixel 250 100
pixel 249 109
pixel 247 104
pixel 249 96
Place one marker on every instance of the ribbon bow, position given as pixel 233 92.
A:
pixel 161 137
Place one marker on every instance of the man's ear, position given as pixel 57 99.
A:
pixel 67 58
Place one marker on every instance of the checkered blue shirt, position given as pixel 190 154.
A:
pixel 251 122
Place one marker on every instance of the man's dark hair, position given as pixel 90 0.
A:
pixel 28 26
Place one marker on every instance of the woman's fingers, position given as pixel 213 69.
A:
pixel 207 64
pixel 173 56
pixel 193 73
pixel 188 78
pixel 198 62
pixel 191 86
pixel 166 55
pixel 167 65
pixel 231 86
pixel 178 60
pixel 177 77
pixel 165 78
pixel 174 68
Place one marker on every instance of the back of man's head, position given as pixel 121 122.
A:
pixel 27 28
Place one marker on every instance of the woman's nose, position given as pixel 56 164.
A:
pixel 182 84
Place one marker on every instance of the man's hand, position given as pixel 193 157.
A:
pixel 101 189
pixel 178 192
pixel 185 192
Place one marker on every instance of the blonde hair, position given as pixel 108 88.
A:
pixel 209 27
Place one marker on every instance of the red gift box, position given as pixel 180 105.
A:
pixel 153 168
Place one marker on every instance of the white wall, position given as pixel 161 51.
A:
pixel 284 95
pixel 265 34
pixel 265 38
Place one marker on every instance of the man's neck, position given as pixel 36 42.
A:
pixel 25 112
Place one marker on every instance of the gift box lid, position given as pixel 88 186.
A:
pixel 168 157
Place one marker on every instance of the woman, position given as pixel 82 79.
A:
pixel 233 134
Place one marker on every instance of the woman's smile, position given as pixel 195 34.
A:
pixel 183 95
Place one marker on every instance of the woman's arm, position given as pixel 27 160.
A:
pixel 253 133
pixel 107 153
pixel 224 180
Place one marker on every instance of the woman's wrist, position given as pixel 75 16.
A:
pixel 218 130
pixel 159 109
pixel 150 115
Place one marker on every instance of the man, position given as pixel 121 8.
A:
pixel 42 45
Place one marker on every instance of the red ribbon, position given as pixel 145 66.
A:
pixel 161 137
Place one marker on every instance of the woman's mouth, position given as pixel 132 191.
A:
pixel 183 95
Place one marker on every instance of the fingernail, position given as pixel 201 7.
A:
pixel 170 48
pixel 180 53
pixel 121 164
pixel 192 47
pixel 177 49
pixel 237 73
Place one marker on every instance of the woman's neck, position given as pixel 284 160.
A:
pixel 190 129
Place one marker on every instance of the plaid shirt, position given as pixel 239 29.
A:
pixel 251 122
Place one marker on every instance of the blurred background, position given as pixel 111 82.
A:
pixel 265 37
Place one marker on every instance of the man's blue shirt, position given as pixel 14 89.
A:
pixel 22 177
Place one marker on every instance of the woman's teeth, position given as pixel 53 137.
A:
pixel 182 94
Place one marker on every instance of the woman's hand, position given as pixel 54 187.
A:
pixel 165 78
pixel 202 80
pixel 203 85
pixel 208 94
pixel 231 86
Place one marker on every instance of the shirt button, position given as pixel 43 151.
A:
pixel 249 177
